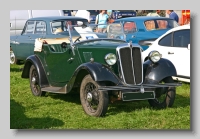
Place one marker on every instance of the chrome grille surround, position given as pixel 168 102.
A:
pixel 127 77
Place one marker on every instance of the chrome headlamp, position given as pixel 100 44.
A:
pixel 154 56
pixel 110 59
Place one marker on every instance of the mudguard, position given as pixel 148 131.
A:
pixel 155 72
pixel 98 72
pixel 43 82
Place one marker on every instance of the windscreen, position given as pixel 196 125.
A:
pixel 81 32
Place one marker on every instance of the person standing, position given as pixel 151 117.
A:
pixel 83 14
pixel 156 14
pixel 172 15
pixel 102 18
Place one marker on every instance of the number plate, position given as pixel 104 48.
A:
pixel 128 96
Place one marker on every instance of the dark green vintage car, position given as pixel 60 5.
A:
pixel 103 69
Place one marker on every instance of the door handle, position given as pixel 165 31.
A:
pixel 133 36
pixel 170 52
pixel 70 59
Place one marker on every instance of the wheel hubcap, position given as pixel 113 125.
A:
pixel 33 80
pixel 89 97
pixel 12 57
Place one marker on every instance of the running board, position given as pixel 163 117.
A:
pixel 52 89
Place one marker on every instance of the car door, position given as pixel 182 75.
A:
pixel 180 54
pixel 61 61
pixel 174 47
pixel 60 64
pixel 23 41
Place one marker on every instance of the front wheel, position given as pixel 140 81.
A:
pixel 34 82
pixel 164 96
pixel 94 102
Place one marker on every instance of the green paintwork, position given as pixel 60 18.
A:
pixel 58 66
pixel 128 96
pixel 97 49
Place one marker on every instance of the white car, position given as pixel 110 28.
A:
pixel 174 45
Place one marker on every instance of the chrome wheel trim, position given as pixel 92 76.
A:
pixel 89 97
pixel 12 57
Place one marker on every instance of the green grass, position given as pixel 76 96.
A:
pixel 57 111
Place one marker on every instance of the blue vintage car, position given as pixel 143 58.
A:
pixel 145 28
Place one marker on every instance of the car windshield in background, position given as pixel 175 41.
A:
pixel 160 24
pixel 93 31
pixel 61 26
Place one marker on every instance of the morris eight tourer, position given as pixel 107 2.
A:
pixel 102 69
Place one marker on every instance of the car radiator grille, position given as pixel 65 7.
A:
pixel 131 64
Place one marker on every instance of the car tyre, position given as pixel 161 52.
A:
pixel 34 82
pixel 94 102
pixel 13 59
pixel 164 96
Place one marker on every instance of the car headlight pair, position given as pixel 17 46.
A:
pixel 110 59
pixel 154 56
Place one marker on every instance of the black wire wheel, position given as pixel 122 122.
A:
pixel 164 96
pixel 94 102
pixel 34 82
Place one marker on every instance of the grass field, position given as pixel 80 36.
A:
pixel 57 111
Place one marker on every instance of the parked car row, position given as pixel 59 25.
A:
pixel 136 29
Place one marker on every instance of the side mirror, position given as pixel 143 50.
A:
pixel 188 46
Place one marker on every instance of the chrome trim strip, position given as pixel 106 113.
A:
pixel 131 47
pixel 141 63
pixel 121 69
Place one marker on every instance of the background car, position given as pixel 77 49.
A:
pixel 175 46
pixel 21 46
pixel 18 18
pixel 142 28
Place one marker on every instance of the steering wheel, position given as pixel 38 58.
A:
pixel 78 39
